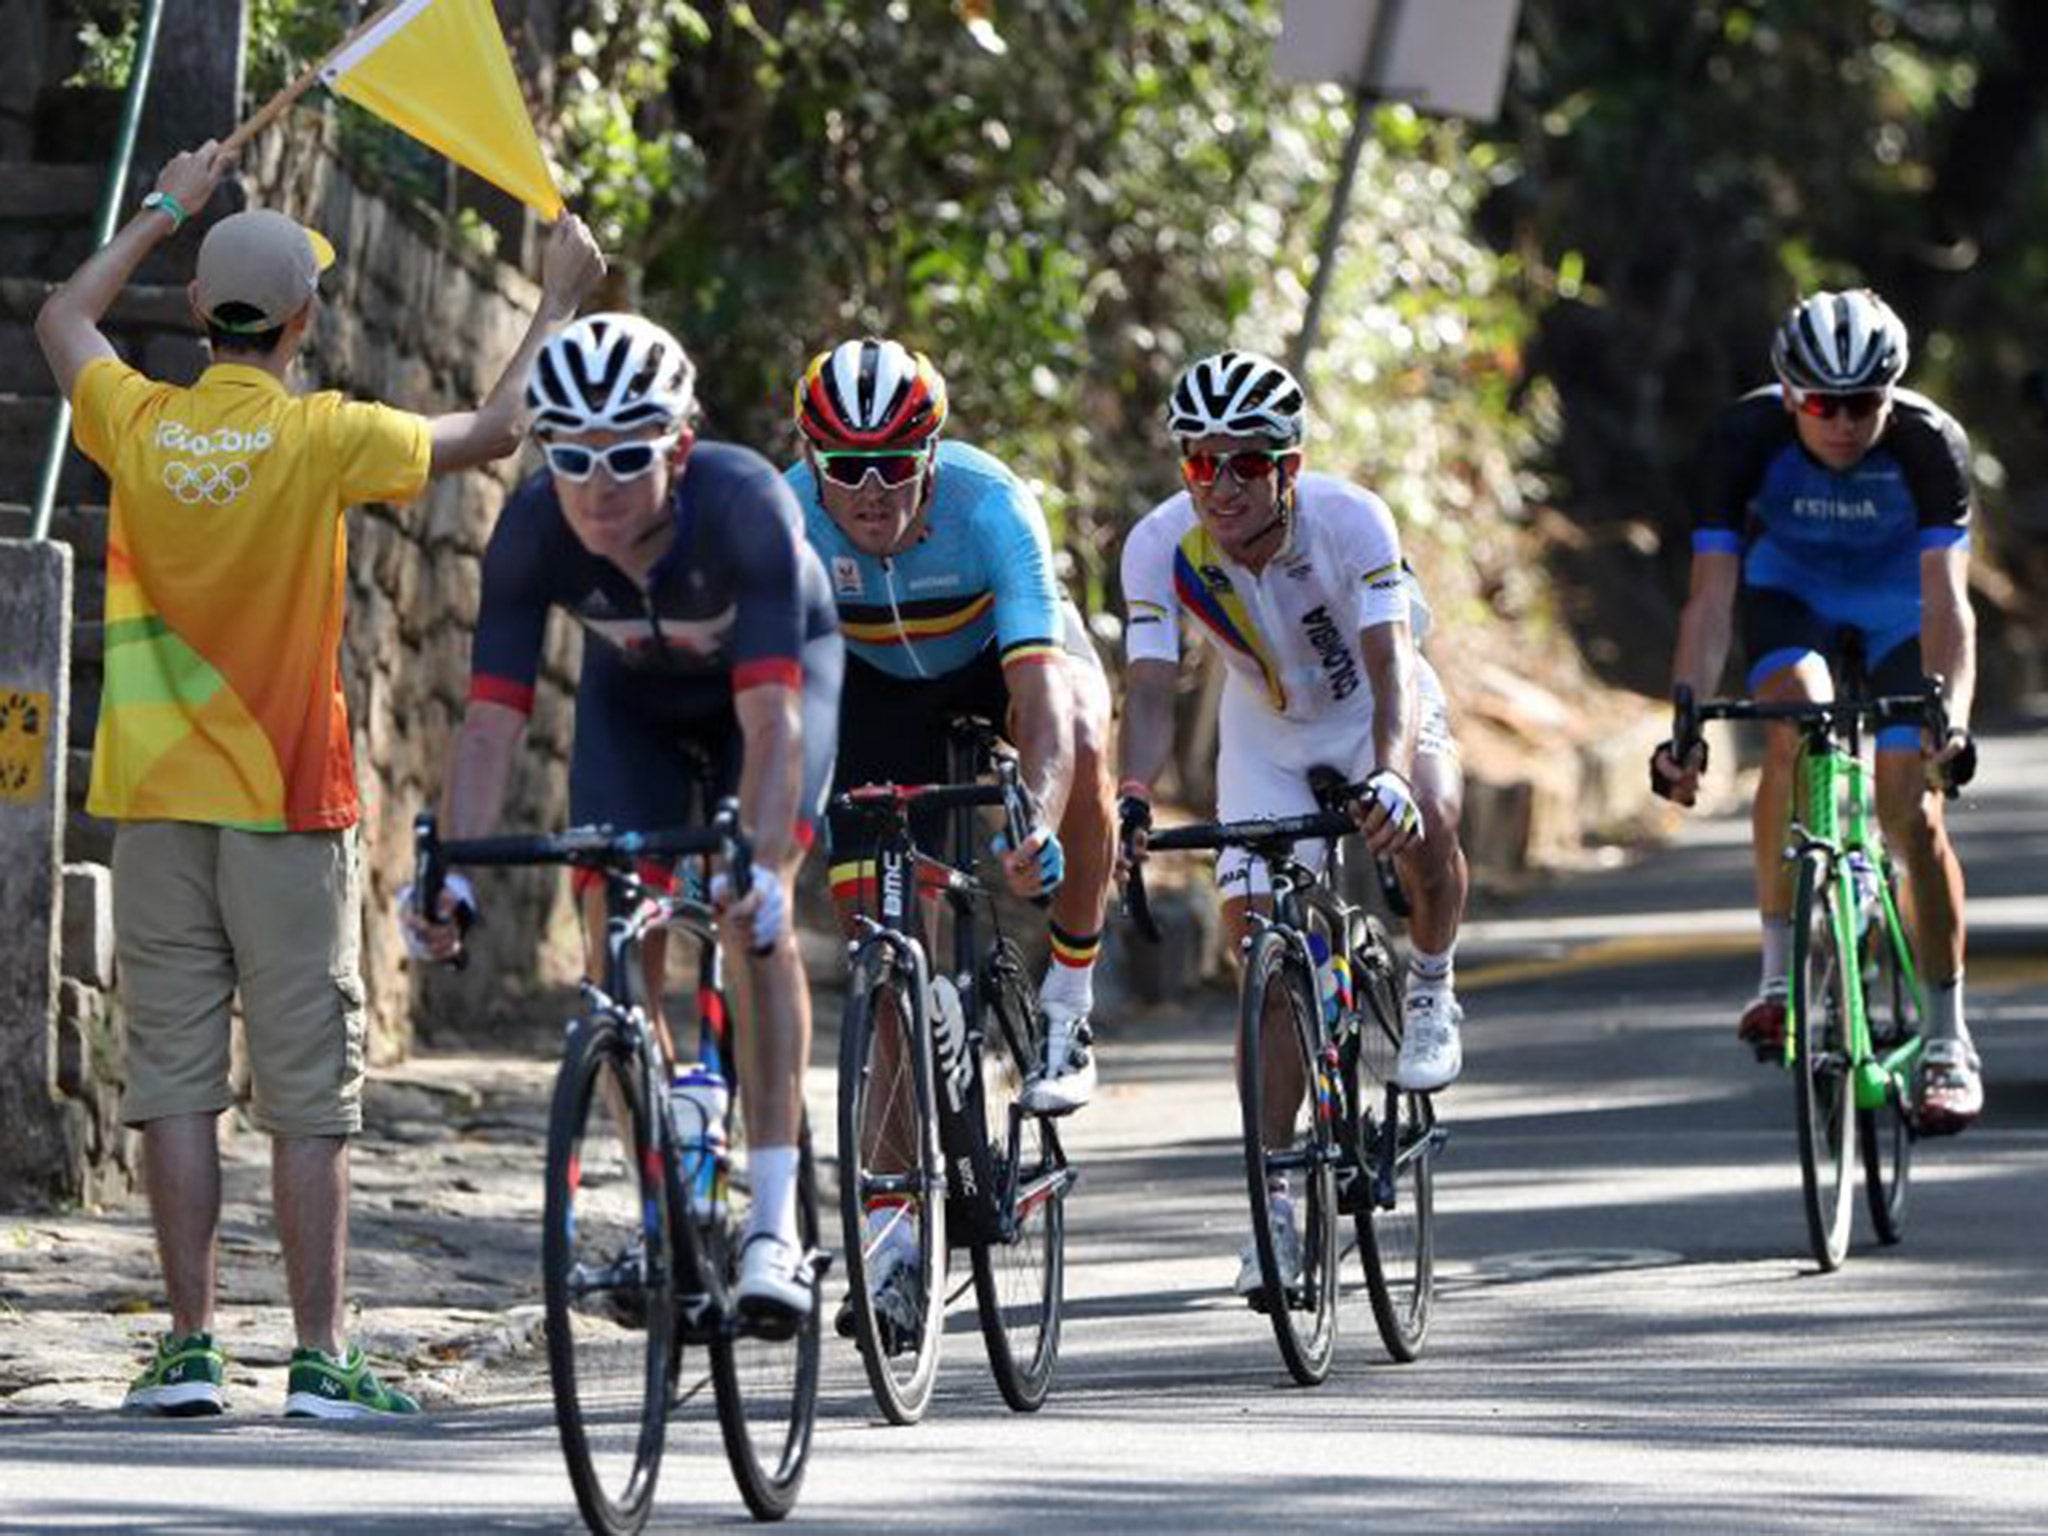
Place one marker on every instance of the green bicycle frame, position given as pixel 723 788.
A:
pixel 1834 785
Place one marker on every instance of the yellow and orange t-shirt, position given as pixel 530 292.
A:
pixel 226 558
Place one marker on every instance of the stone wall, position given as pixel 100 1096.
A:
pixel 410 319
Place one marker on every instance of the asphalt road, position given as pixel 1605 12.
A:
pixel 1629 1335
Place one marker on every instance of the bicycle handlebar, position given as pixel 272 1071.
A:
pixel 1254 832
pixel 598 848
pixel 1925 709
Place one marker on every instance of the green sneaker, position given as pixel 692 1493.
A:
pixel 183 1380
pixel 322 1387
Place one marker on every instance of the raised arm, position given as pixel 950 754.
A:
pixel 570 268
pixel 68 325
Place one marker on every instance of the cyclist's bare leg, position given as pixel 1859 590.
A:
pixel 772 1023
pixel 1805 681
pixel 1087 829
pixel 1282 1074
pixel 1433 870
pixel 1916 828
pixel 653 966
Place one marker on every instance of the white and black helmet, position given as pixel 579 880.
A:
pixel 611 373
pixel 1238 394
pixel 1835 343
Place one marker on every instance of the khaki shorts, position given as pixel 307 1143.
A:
pixel 201 912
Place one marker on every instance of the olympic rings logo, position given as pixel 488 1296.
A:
pixel 215 483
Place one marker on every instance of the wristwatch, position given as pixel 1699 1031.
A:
pixel 170 205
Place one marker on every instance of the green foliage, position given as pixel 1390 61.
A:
pixel 1062 202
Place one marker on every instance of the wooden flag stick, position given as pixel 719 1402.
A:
pixel 273 109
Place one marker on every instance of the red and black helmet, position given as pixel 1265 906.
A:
pixel 871 393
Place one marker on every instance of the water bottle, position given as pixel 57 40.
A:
pixel 1329 986
pixel 697 1104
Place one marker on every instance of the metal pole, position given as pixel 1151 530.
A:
pixel 1372 76
pixel 111 199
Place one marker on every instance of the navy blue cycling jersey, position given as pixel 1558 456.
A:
pixel 1847 542
pixel 738 593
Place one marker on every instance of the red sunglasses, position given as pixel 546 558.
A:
pixel 1859 406
pixel 1245 465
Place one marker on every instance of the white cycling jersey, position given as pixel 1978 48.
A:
pixel 1290 631
pixel 1296 693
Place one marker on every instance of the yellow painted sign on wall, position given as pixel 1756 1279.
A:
pixel 24 741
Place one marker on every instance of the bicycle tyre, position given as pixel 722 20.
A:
pixel 767 1387
pixel 1019 1285
pixel 1397 1244
pixel 1822 1087
pixel 1305 1319
pixel 603 1186
pixel 1884 1135
pixel 902 1381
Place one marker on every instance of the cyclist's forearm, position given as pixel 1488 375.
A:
pixel 771 772
pixel 1948 643
pixel 480 769
pixel 1045 736
pixel 1145 742
pixel 1948 629
pixel 1706 624
pixel 1389 652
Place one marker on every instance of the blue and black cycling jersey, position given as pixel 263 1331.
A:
pixel 980 575
pixel 1846 542
pixel 1829 551
pixel 739 600
pixel 732 601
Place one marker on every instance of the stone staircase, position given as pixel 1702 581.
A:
pixel 46 213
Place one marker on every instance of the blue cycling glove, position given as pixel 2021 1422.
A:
pixel 1052 859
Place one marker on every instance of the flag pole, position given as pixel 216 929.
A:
pixel 273 109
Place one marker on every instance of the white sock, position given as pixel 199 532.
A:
pixel 1777 954
pixel 1070 988
pixel 773 1172
pixel 1945 1011
pixel 1432 973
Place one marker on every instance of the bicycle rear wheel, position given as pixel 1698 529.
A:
pixel 892 1200
pixel 1281 1013
pixel 1397 1240
pixel 767 1385
pixel 1019 1283
pixel 1822 1083
pixel 1884 1134
pixel 607 1278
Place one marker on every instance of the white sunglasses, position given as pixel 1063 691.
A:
pixel 622 461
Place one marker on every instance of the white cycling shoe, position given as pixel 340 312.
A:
pixel 1286 1250
pixel 1432 1055
pixel 777 1284
pixel 1065 1080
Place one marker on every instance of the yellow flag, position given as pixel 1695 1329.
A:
pixel 439 70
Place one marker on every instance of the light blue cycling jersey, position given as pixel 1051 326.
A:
pixel 980 574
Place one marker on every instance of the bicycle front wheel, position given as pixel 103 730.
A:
pixel 1286 1095
pixel 1822 1082
pixel 1019 1280
pixel 1393 1197
pixel 767 1383
pixel 1884 1133
pixel 607 1277
pixel 892 1184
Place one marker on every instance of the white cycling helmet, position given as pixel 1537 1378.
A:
pixel 1838 343
pixel 611 373
pixel 1238 394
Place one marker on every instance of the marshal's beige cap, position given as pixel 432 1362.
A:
pixel 264 260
